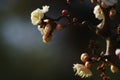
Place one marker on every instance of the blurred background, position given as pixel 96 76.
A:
pixel 23 55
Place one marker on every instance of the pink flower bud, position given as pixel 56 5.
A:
pixel 75 19
pixel 68 1
pixel 59 27
pixel 84 57
pixel 88 64
pixel 64 12
pixel 117 52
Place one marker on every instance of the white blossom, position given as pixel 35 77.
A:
pixel 38 14
pixel 82 71
pixel 110 2
pixel 45 9
pixel 98 12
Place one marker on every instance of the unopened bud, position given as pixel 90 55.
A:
pixel 84 57
pixel 93 1
pixel 88 64
pixel 75 19
pixel 68 1
pixel 117 53
pixel 64 12
pixel 113 69
pixel 112 13
pixel 59 27
pixel 104 5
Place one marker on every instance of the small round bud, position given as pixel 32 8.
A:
pixel 88 64
pixel 94 59
pixel 84 57
pixel 59 27
pixel 102 74
pixel 75 19
pixel 64 12
pixel 68 1
pixel 106 78
pixel 117 52
pixel 104 5
pixel 113 69
pixel 112 13
pixel 93 1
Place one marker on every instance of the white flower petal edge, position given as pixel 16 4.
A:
pixel 45 8
pixel 38 14
pixel 98 12
pixel 82 71
pixel 110 2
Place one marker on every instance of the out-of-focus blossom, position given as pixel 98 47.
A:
pixel 113 69
pixel 98 12
pixel 82 71
pixel 110 2
pixel 46 32
pixel 38 14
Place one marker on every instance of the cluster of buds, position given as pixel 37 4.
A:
pixel 47 26
pixel 84 58
pixel 83 70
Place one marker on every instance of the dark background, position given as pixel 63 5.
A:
pixel 23 55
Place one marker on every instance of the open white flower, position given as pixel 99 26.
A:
pixel 38 14
pixel 82 71
pixel 98 12
pixel 110 2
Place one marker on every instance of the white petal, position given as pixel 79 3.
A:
pixel 45 8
